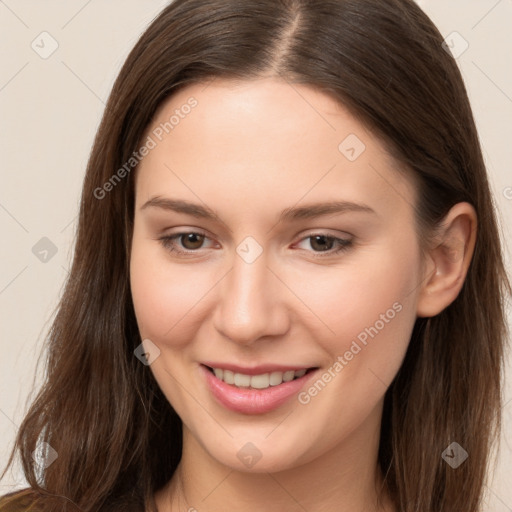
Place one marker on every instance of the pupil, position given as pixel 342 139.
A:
pixel 316 238
pixel 190 238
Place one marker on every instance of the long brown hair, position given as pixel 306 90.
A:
pixel 117 438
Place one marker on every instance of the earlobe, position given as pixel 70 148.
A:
pixel 449 258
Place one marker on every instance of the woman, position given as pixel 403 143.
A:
pixel 288 289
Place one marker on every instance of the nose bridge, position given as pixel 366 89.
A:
pixel 248 303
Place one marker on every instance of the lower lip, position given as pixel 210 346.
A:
pixel 250 400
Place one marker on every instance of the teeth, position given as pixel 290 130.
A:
pixel 228 377
pixel 288 376
pixel 262 381
pixel 276 378
pixel 242 381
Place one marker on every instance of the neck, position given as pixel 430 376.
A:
pixel 347 478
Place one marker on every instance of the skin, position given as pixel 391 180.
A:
pixel 248 150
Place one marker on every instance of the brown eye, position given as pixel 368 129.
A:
pixel 192 241
pixel 324 245
pixel 189 242
pixel 322 242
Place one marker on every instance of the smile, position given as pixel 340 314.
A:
pixel 258 393
pixel 261 381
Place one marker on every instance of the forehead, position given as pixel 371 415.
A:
pixel 268 141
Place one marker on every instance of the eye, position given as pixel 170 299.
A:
pixel 191 241
pixel 328 245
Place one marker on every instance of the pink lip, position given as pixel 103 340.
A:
pixel 249 400
pixel 254 370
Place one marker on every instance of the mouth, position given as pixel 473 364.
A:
pixel 258 381
pixel 260 390
pixel 254 392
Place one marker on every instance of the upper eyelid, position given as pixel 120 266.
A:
pixel 310 232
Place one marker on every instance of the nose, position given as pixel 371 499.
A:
pixel 252 303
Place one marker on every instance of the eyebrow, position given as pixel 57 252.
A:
pixel 308 211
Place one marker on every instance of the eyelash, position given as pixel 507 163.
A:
pixel 168 243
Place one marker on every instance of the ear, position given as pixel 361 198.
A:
pixel 448 260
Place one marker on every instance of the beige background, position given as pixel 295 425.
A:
pixel 50 109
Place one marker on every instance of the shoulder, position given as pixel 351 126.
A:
pixel 20 501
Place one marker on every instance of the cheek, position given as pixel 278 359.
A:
pixel 369 308
pixel 372 313
pixel 165 296
pixel 350 297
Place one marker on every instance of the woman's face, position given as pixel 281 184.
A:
pixel 273 281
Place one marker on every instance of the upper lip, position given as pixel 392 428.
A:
pixel 256 370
